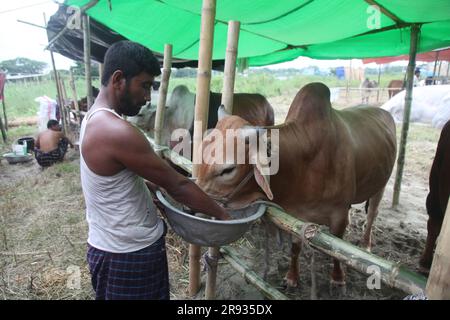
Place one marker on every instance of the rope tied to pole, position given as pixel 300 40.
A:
pixel 158 147
pixel 394 274
pixel 209 262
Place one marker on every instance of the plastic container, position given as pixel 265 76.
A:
pixel 29 142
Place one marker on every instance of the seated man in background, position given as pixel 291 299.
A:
pixel 51 145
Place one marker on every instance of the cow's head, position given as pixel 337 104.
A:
pixel 145 119
pixel 240 178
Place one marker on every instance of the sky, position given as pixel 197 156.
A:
pixel 22 40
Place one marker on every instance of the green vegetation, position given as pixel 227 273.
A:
pixel 20 95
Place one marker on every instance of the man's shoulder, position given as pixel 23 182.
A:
pixel 110 126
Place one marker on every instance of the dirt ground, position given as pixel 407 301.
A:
pixel 43 233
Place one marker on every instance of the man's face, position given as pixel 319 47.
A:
pixel 136 94
pixel 56 127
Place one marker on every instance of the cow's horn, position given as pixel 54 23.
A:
pixel 222 112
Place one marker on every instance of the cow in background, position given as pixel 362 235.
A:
pixel 180 108
pixel 367 87
pixel 430 104
pixel 394 87
pixel 328 160
pixel 437 198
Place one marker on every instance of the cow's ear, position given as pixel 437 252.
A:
pixel 263 181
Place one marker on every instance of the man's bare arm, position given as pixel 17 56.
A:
pixel 134 152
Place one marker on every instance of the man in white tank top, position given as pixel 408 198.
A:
pixel 126 248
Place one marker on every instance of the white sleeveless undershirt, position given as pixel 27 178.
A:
pixel 119 208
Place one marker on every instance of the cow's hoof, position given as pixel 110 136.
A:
pixel 291 283
pixel 338 288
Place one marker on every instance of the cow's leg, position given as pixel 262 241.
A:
pixel 337 228
pixel 372 212
pixel 434 228
pixel 293 272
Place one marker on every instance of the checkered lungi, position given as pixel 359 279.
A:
pixel 46 159
pixel 139 275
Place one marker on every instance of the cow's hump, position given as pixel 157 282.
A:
pixel 312 102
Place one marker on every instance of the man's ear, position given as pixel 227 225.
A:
pixel 118 79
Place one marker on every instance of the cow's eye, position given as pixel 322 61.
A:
pixel 227 170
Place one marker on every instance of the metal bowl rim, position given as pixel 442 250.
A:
pixel 261 210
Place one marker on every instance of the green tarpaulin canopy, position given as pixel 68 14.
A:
pixel 274 31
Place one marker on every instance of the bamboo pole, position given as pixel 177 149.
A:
pixel 201 116
pixel 87 59
pixel 2 128
pixel 439 69
pixel 348 79
pixel 227 101
pixel 74 95
pixel 415 29
pixel 63 107
pixel 55 73
pixel 438 285
pixel 230 66
pixel 379 85
pixel 392 274
pixel 435 65
pixel 100 72
pixel 448 69
pixel 161 107
pixel 4 112
pixel 233 259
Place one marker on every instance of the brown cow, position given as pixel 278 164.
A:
pixel 328 160
pixel 394 87
pixel 437 198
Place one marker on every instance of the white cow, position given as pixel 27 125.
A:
pixel 430 104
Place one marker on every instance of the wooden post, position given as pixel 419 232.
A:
pixel 438 285
pixel 227 101
pixel 161 107
pixel 60 102
pixel 74 95
pixel 406 113
pixel 379 84
pixel 87 59
pixel 201 116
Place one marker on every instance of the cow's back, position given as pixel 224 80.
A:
pixel 439 181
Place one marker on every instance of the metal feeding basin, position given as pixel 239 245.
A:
pixel 15 158
pixel 207 232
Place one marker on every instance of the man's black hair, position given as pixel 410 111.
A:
pixel 131 58
pixel 52 123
